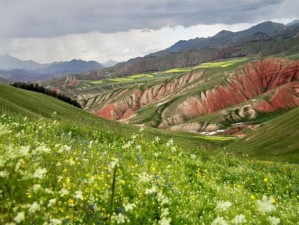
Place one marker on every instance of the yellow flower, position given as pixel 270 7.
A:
pixel 252 197
pixel 70 202
pixel 266 180
pixel 68 180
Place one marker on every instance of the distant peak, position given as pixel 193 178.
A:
pixel 223 33
pixel 292 23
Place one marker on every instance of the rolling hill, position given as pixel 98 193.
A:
pixel 205 98
pixel 22 103
pixel 65 170
pixel 275 139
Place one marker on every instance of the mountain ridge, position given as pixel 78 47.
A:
pixel 263 39
pixel 27 70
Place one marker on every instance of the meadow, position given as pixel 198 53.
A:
pixel 61 172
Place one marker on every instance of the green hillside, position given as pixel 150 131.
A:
pixel 52 173
pixel 275 140
pixel 18 102
pixel 36 105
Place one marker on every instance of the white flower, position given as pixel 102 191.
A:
pixel 219 221
pixel 144 177
pixel 156 154
pixel 20 217
pixel 138 147
pixel 63 192
pixel 19 164
pixel 141 129
pixel 119 218
pixel 79 195
pixel 42 149
pixel 34 208
pixel 170 142
pixel 165 221
pixel 162 199
pixel 173 149
pixel 150 191
pixel 239 219
pixel 265 205
pixel 4 174
pixel 40 173
pixel 157 139
pixel 165 212
pixel 193 156
pixel 273 220
pixel 11 223
pixel 55 222
pixel 24 151
pixel 2 161
pixel 49 191
pixel 223 206
pixel 64 148
pixel 52 202
pixel 113 164
pixel 129 207
pixel 36 187
pixel 127 145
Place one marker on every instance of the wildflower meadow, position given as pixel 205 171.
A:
pixel 54 172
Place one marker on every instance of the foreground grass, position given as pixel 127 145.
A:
pixel 63 173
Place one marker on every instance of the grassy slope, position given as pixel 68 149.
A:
pixel 36 105
pixel 276 139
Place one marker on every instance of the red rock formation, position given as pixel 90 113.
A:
pixel 125 108
pixel 256 78
pixel 279 77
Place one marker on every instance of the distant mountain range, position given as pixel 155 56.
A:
pixel 267 38
pixel 264 39
pixel 109 63
pixel 14 69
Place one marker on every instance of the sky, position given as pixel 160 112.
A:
pixel 102 30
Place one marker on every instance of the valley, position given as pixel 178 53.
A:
pixel 202 132
pixel 68 166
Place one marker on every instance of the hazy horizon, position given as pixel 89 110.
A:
pixel 104 30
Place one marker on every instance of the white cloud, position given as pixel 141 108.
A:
pixel 55 30
pixel 101 47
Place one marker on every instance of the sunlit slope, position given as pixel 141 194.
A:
pixel 14 101
pixel 36 105
pixel 278 139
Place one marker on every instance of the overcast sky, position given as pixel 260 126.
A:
pixel 59 30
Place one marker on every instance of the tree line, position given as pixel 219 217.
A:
pixel 41 89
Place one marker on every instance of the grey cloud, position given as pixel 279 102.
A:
pixel 50 18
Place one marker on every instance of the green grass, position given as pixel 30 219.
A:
pixel 70 167
pixel 222 64
pixel 14 101
pixel 276 139
pixel 178 70
pixel 96 82
pixel 58 172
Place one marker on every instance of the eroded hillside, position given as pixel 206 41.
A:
pixel 204 100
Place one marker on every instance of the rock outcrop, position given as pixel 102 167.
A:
pixel 273 83
pixel 257 78
pixel 123 109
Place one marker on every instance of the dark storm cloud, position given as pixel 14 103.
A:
pixel 50 18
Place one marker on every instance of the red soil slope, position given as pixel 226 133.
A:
pixel 277 76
